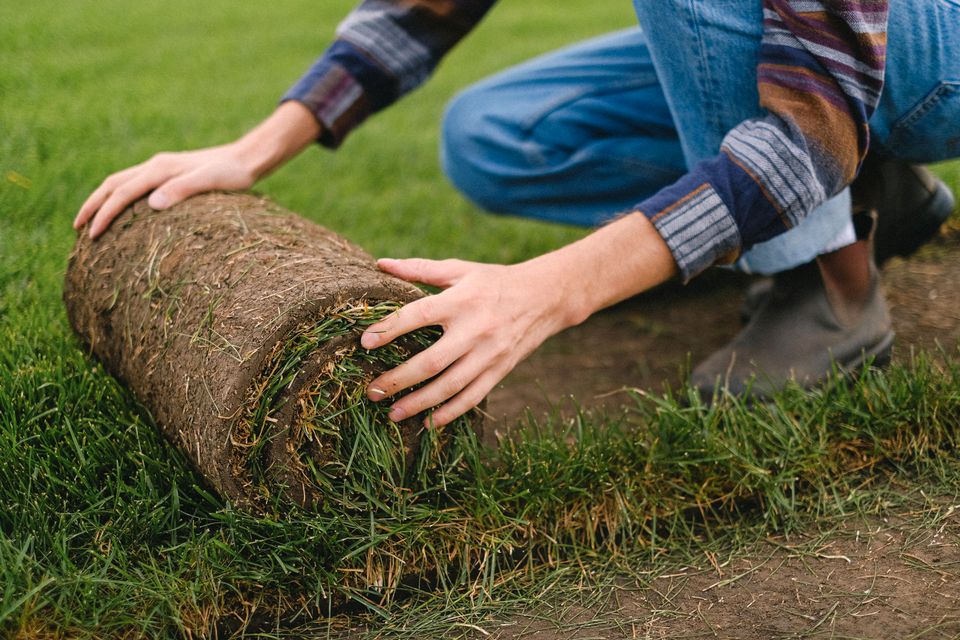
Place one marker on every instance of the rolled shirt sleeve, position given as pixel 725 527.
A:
pixel 384 49
pixel 820 76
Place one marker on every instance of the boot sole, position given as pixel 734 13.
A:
pixel 878 355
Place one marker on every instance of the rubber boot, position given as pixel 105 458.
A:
pixel 911 204
pixel 803 330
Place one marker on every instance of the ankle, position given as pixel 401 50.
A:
pixel 848 272
pixel 849 279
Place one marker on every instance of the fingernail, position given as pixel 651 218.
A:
pixel 397 414
pixel 376 394
pixel 368 340
pixel 158 200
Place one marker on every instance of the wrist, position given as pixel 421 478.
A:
pixel 615 262
pixel 558 283
pixel 281 136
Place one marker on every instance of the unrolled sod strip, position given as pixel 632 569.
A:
pixel 236 324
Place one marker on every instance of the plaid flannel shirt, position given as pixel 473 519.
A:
pixel 820 76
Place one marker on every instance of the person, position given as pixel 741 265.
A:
pixel 717 133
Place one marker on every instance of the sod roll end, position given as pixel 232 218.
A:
pixel 237 324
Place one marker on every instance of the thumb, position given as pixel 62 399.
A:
pixel 178 189
pixel 437 273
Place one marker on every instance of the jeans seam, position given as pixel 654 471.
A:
pixel 706 81
pixel 532 151
pixel 628 163
pixel 942 89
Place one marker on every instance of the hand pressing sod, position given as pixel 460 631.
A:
pixel 492 317
pixel 172 177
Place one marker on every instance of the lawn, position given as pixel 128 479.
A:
pixel 106 532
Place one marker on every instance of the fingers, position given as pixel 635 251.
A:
pixel 100 194
pixel 454 373
pixel 180 188
pixel 491 315
pixel 121 197
pixel 454 362
pixel 466 382
pixel 437 273
pixel 444 387
pixel 420 313
pixel 464 401
pixel 415 315
pixel 121 189
pixel 422 366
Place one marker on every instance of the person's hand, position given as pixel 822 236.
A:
pixel 171 176
pixel 176 176
pixel 492 317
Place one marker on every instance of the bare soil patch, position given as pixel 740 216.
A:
pixel 881 578
pixel 654 339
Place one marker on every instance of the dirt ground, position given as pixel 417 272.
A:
pixel 890 578
pixel 654 339
pixel 886 579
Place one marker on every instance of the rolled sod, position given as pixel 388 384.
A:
pixel 236 324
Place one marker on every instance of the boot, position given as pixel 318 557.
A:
pixel 911 203
pixel 804 328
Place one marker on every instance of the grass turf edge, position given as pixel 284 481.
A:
pixel 558 495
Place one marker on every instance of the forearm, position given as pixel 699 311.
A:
pixel 281 136
pixel 615 262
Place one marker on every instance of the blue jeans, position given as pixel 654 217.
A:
pixel 585 133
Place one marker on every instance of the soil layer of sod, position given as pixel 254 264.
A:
pixel 236 324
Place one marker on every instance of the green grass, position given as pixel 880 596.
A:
pixel 105 531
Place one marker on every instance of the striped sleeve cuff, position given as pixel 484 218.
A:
pixel 771 158
pixel 697 227
pixel 335 98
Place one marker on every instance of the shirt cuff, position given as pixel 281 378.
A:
pixel 696 225
pixel 335 98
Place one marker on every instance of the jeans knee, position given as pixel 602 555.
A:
pixel 461 125
pixel 467 150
